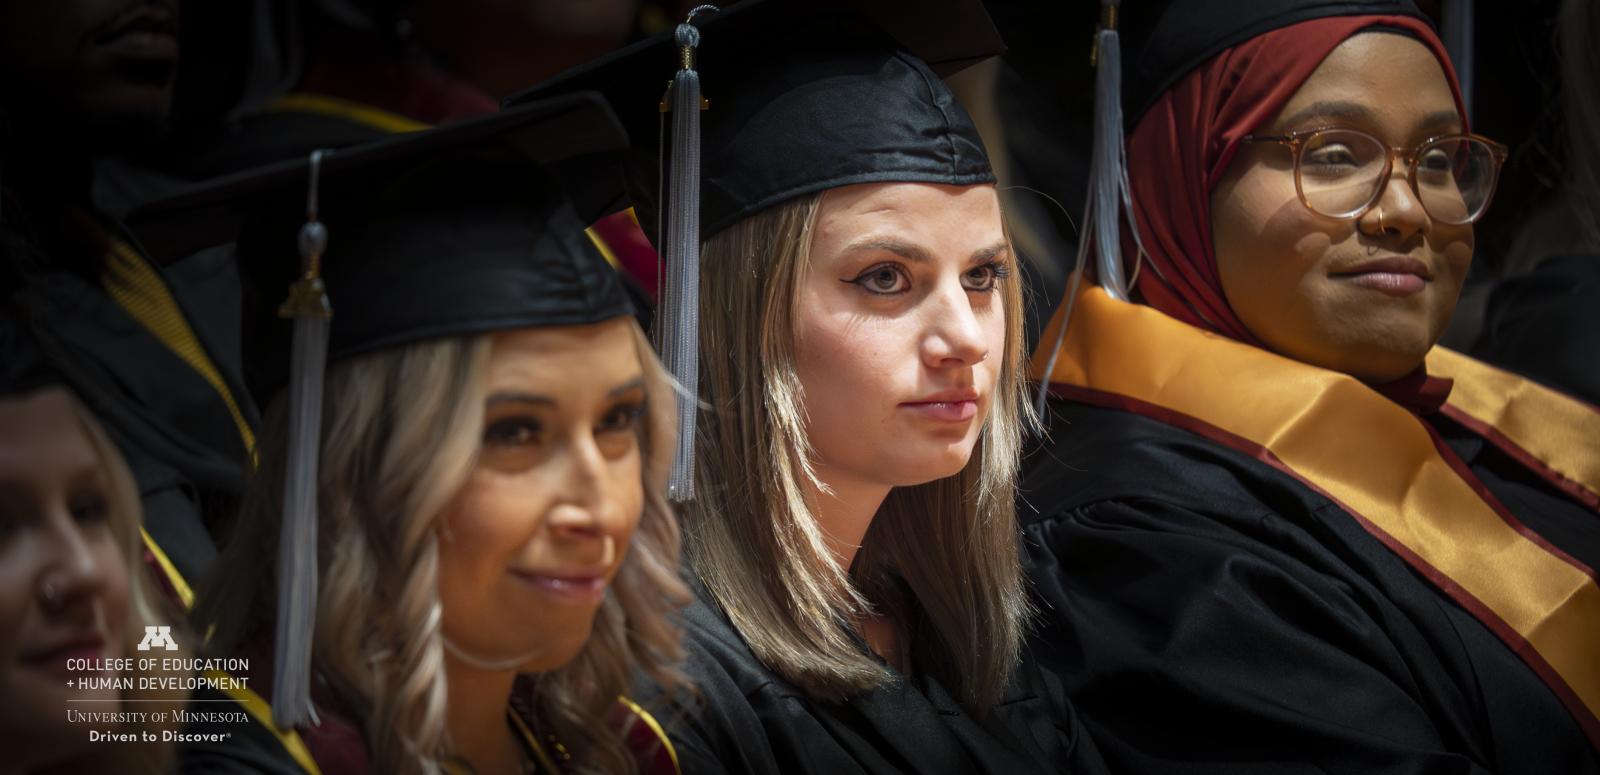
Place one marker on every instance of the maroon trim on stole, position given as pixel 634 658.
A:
pixel 1462 470
pixel 336 743
pixel 648 749
pixel 1570 488
pixel 159 576
pixel 1502 630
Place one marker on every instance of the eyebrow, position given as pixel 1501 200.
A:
pixel 1343 110
pixel 637 383
pixel 516 397
pixel 916 254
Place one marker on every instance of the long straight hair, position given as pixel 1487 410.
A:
pixel 400 435
pixel 941 559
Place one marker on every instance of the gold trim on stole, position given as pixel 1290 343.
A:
pixel 1558 431
pixel 1319 426
pixel 349 110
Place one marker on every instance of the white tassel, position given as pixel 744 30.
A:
pixel 680 308
pixel 1108 172
pixel 1109 195
pixel 297 545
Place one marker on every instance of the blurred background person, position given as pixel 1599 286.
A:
pixel 151 353
pixel 73 589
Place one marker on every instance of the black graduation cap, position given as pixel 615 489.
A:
pixel 23 366
pixel 458 230
pixel 1167 39
pixel 801 97
pixel 471 227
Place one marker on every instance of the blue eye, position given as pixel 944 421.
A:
pixel 883 280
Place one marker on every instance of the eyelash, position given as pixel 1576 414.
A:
pixel 91 509
pixel 511 432
pixel 996 270
pixel 630 417
pixel 524 430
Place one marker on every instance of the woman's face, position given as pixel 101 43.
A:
pixel 1324 291
pixel 902 329
pixel 531 543
pixel 63 581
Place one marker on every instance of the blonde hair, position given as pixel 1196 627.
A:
pixel 147 605
pixel 941 558
pixel 400 435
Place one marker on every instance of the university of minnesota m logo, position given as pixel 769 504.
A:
pixel 157 636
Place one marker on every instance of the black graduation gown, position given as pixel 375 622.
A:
pixel 219 744
pixel 746 719
pixel 176 432
pixel 1210 614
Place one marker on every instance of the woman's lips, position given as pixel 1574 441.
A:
pixel 147 33
pixel 144 45
pixel 570 588
pixel 945 411
pixel 1392 283
pixel 1392 275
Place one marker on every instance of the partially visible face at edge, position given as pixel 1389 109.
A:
pixel 101 70
pixel 530 545
pixel 901 329
pixel 64 586
pixel 1293 276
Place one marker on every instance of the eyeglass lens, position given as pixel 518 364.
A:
pixel 1341 172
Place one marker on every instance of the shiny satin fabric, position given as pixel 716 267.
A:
pixel 1378 461
pixel 1541 427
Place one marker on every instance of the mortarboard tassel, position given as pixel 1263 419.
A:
pixel 680 313
pixel 1108 165
pixel 308 306
pixel 1109 195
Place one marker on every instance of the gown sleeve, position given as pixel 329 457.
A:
pixel 1234 643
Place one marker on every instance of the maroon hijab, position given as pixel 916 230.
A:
pixel 1183 144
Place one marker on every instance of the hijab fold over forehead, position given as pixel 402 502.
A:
pixel 1183 144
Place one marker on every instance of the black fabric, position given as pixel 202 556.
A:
pixel 1209 614
pixel 248 142
pixel 803 97
pixel 172 427
pixel 231 747
pixel 1163 40
pixel 1548 511
pixel 23 368
pixel 1545 325
pixel 746 719
pixel 473 244
pixel 450 231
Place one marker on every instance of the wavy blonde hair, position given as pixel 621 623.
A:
pixel 940 559
pixel 147 605
pixel 400 435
